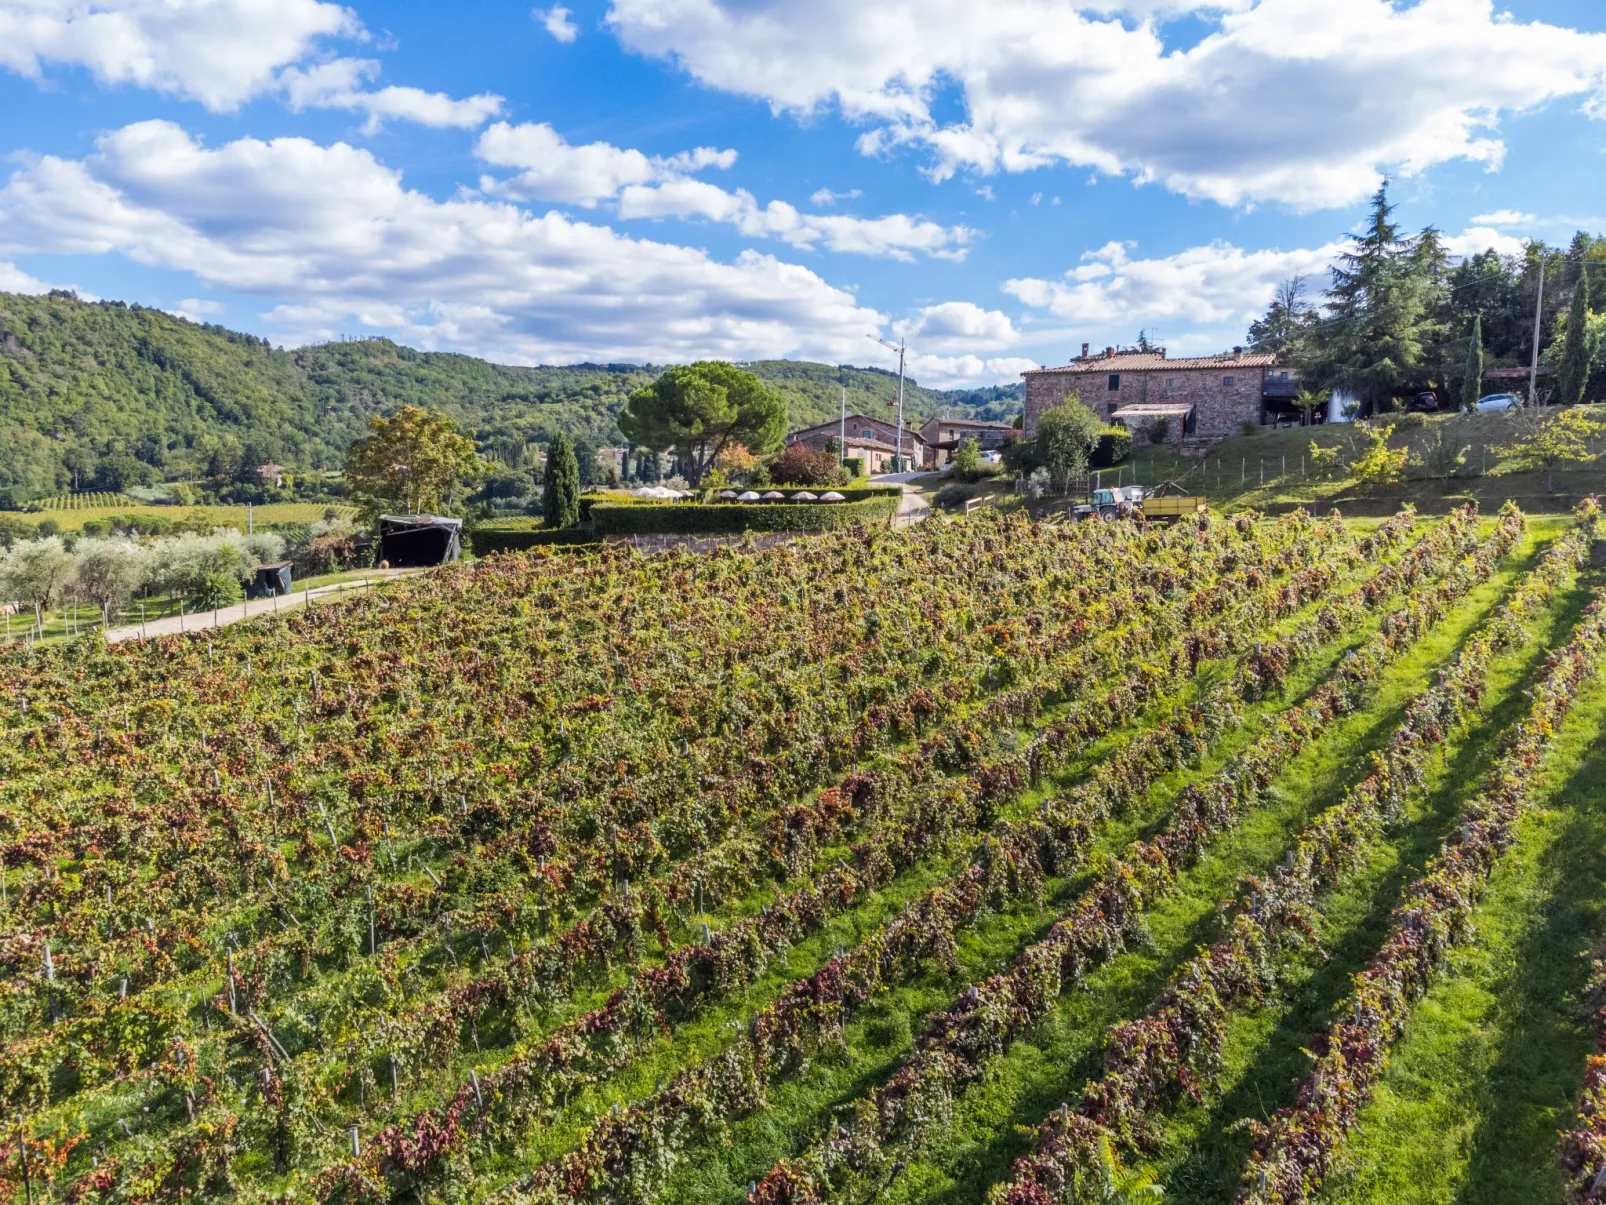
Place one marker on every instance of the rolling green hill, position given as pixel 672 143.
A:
pixel 105 395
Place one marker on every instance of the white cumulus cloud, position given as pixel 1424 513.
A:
pixel 554 170
pixel 14 280
pixel 952 372
pixel 199 309
pixel 895 236
pixel 824 196
pixel 1504 217
pixel 1305 103
pixel 1477 239
pixel 655 187
pixel 341 84
pixel 557 23
pixel 218 52
pixel 958 326
pixel 1212 286
pixel 334 237
pixel 221 53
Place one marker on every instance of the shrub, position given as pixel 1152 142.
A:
pixel 854 467
pixel 800 464
pixel 488 539
pixel 332 554
pixel 874 505
pixel 1411 421
pixel 1322 459
pixel 1114 446
pixel 967 461
pixel 216 588
pixel 1020 456
pixel 1378 462
pixel 1035 484
pixel 954 495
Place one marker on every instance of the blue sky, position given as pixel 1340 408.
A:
pixel 667 179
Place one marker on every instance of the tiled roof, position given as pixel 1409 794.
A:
pixel 1144 361
pixel 971 422
pixel 831 427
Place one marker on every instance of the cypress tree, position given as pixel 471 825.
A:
pixel 1579 348
pixel 1472 377
pixel 560 485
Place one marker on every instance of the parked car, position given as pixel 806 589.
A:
pixel 1426 402
pixel 1499 401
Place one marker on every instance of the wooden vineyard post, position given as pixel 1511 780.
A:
pixel 22 1153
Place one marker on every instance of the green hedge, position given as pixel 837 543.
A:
pixel 1114 446
pixel 874 505
pixel 496 538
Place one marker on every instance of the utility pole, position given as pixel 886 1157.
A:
pixel 842 431
pixel 902 349
pixel 1539 309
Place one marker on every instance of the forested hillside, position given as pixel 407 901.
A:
pixel 108 395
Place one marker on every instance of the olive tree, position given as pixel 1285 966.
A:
pixel 107 573
pixel 36 573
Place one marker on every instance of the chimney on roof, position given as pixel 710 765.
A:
pixel 1109 353
pixel 1237 353
pixel 1162 353
pixel 1084 351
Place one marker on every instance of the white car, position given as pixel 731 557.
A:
pixel 1498 401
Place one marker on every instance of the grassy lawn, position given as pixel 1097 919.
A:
pixel 66 623
pixel 1270 469
pixel 1490 1064
pixel 212 516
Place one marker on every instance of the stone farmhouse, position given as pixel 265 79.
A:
pixel 873 439
pixel 1202 397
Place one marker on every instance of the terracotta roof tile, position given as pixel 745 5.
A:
pixel 1146 361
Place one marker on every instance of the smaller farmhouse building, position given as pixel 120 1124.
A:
pixel 944 435
pixel 1208 397
pixel 873 439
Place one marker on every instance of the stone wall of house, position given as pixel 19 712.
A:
pixel 1220 407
